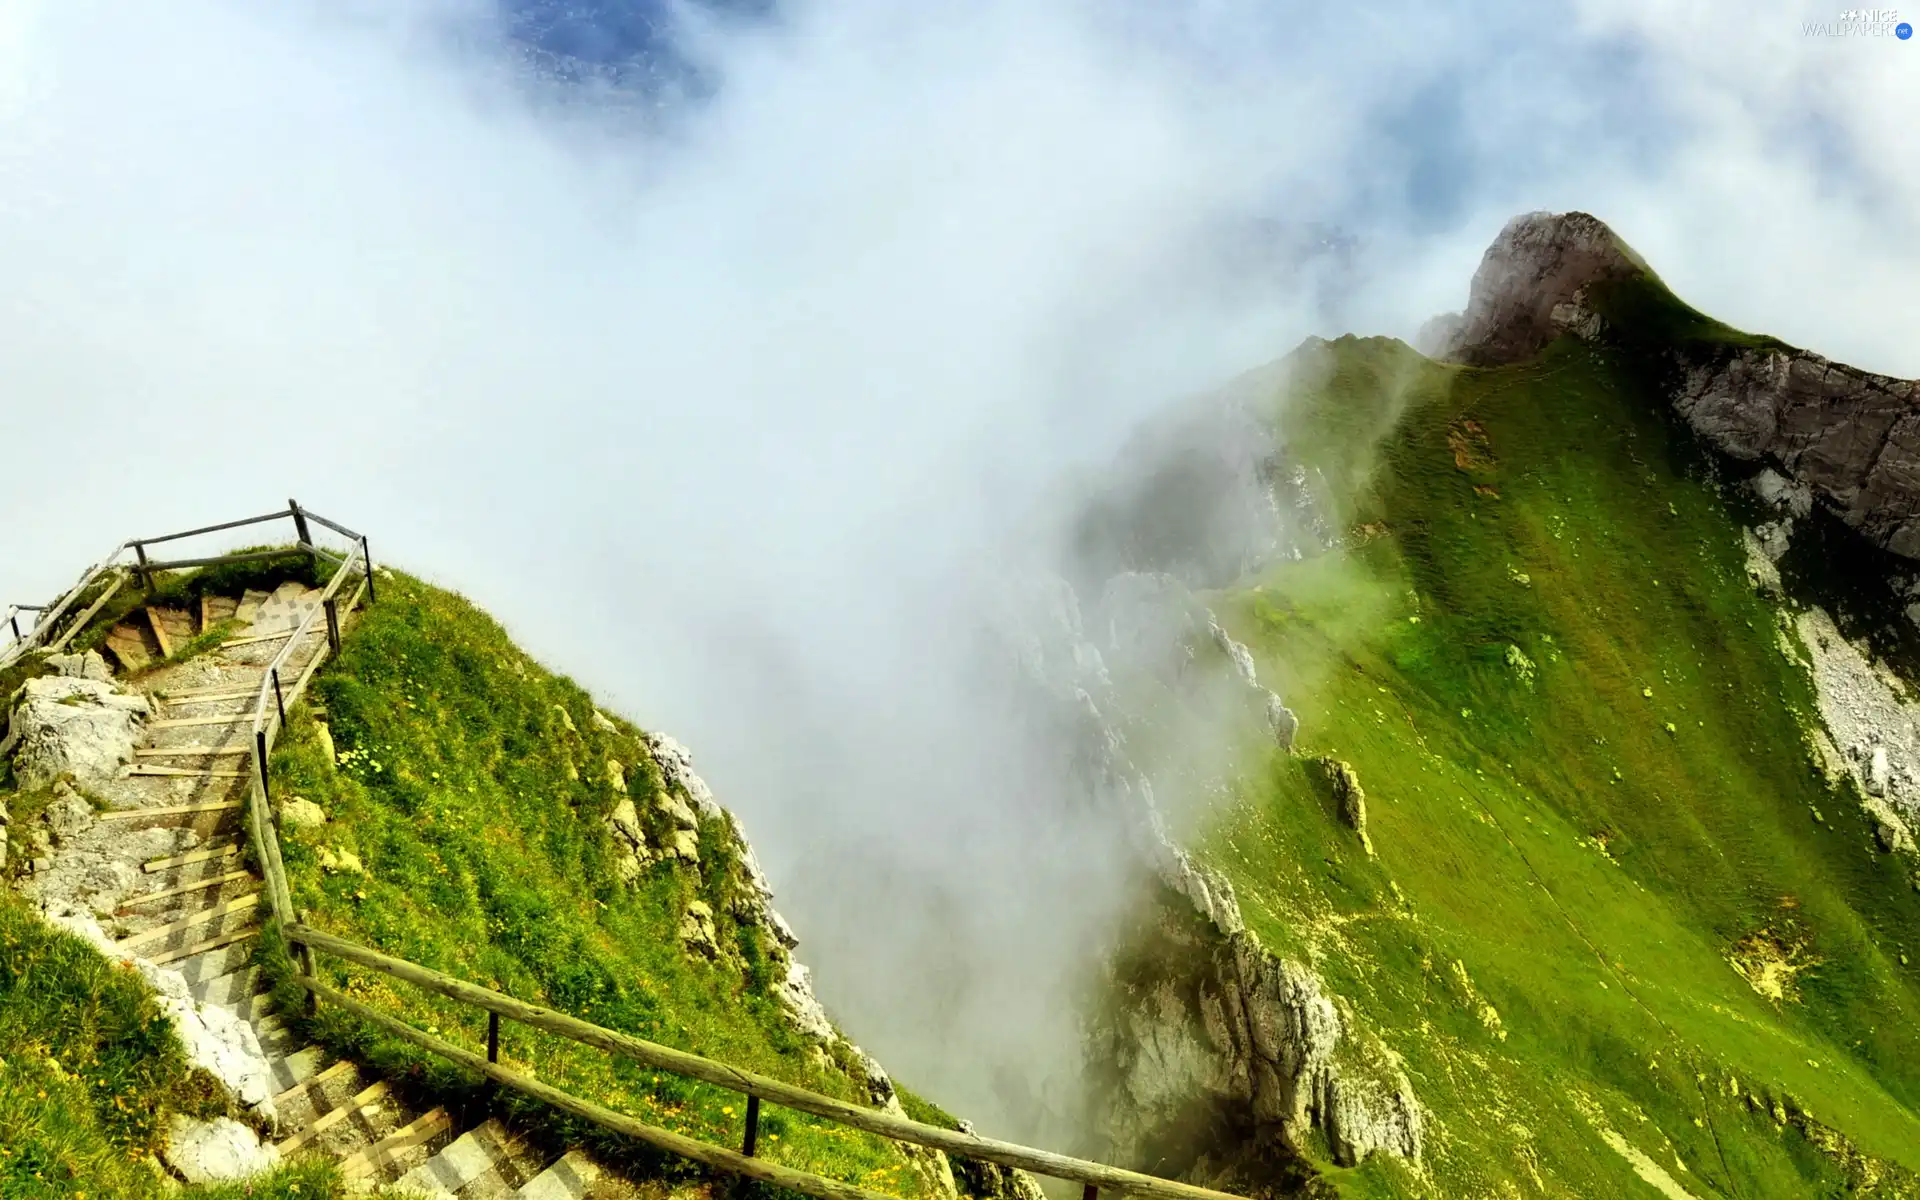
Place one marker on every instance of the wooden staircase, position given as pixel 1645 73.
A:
pixel 201 910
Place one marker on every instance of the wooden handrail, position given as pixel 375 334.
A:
pixel 665 1058
pixel 705 1153
pixel 269 704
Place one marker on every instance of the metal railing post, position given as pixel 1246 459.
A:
pixel 366 562
pixel 279 699
pixel 1090 1192
pixel 140 572
pixel 299 522
pixel 333 623
pixel 753 1126
pixel 260 760
pixel 13 619
pixel 493 1037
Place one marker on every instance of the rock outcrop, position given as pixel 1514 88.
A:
pixel 80 727
pixel 1218 1039
pixel 215 1151
pixel 1848 437
pixel 1541 262
pixel 1350 801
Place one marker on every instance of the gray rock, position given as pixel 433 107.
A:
pixel 1349 798
pixel 676 768
pixel 684 844
pixel 677 810
pixel 301 813
pixel 1782 494
pixel 88 665
pixel 796 996
pixel 81 727
pixel 215 1151
pixel 696 930
pixel 603 724
pixel 1531 286
pixel 68 814
pixel 616 775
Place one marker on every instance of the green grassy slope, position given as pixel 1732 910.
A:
pixel 89 1071
pixel 1589 790
pixel 473 787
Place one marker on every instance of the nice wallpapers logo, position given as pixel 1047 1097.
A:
pixel 1862 22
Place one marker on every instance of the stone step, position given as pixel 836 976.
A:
pixel 159 935
pixel 169 810
pixel 185 722
pixel 567 1179
pixel 291 1069
pixel 201 750
pixel 229 938
pixel 273 1035
pixel 367 1098
pixel 227 689
pixel 198 885
pixel 197 772
pixel 220 960
pixel 392 1150
pixel 218 851
pixel 339 1070
pixel 465 1159
pixel 136 918
pixel 229 990
pixel 185 699
pixel 250 602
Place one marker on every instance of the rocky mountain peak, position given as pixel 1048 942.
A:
pixel 1540 261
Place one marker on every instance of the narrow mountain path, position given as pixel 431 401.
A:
pixel 197 908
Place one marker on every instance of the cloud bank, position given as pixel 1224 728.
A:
pixel 742 414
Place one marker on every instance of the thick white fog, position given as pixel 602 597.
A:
pixel 744 417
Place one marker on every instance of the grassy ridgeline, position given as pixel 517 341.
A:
pixel 1590 790
pixel 90 1070
pixel 474 788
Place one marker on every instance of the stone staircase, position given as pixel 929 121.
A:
pixel 197 909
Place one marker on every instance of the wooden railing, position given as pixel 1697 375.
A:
pixel 276 696
pixel 58 621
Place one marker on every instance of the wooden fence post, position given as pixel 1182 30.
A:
pixel 366 561
pixel 753 1126
pixel 278 699
pixel 299 522
pixel 140 572
pixel 333 624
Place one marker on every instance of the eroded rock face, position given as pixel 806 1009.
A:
pixel 1848 437
pixel 1221 1039
pixel 83 727
pixel 1539 262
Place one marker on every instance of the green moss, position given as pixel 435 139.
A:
pixel 475 788
pixel 1567 855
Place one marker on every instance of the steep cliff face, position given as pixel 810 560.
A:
pixel 1211 1056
